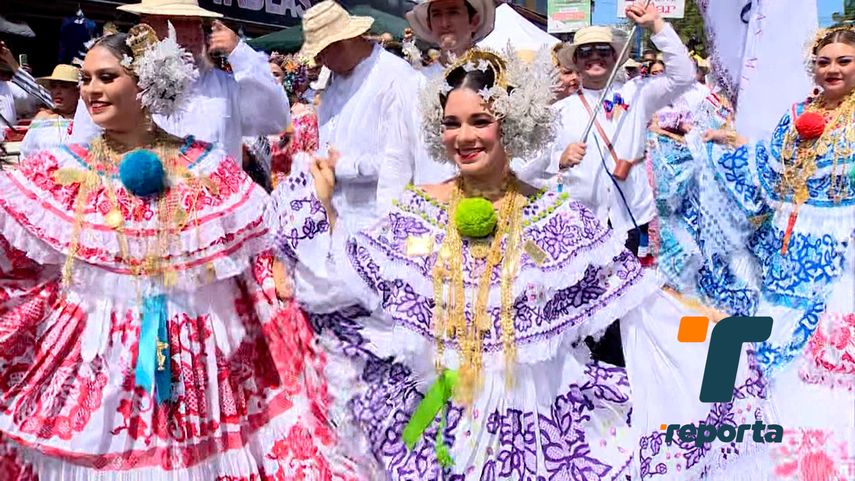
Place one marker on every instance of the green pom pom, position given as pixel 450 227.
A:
pixel 475 217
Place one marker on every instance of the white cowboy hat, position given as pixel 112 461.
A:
pixel 418 18
pixel 327 23
pixel 171 8
pixel 61 73
pixel 595 34
pixel 631 63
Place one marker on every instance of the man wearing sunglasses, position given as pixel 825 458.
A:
pixel 602 170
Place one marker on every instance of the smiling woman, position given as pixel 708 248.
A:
pixel 142 337
pixel 455 323
pixel 794 194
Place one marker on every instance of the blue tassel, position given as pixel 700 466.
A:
pixel 643 245
pixel 163 375
pixel 153 367
pixel 142 173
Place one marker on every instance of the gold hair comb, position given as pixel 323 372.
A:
pixel 825 32
pixel 477 59
pixel 140 38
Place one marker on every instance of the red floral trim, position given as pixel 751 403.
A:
pixel 252 231
pixel 812 455
pixel 127 231
pixel 12 468
pixel 830 353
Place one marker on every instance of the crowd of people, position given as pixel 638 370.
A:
pixel 367 261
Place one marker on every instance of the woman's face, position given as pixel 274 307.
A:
pixel 835 69
pixel 110 92
pixel 471 134
pixel 277 73
pixel 569 81
pixel 657 69
pixel 64 96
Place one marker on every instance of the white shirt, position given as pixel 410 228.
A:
pixel 7 106
pixel 365 117
pixel 589 182
pixel 427 170
pixel 223 107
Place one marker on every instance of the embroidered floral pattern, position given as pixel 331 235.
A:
pixel 658 458
pixel 813 455
pixel 830 353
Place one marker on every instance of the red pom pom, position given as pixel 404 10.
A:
pixel 810 125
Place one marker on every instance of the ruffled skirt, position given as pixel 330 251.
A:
pixel 248 401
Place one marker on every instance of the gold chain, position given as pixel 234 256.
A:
pixel 798 156
pixel 449 293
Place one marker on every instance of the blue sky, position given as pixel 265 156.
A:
pixel 605 11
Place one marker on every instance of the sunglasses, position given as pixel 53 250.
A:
pixel 587 51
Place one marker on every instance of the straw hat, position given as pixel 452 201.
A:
pixel 631 63
pixel 61 73
pixel 327 23
pixel 595 34
pixel 418 18
pixel 171 8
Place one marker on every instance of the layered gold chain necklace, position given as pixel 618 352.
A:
pixel 105 156
pixel 799 155
pixel 449 314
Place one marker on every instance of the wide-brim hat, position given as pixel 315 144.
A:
pixel 171 8
pixel 596 34
pixel 631 63
pixel 418 18
pixel 327 23
pixel 61 73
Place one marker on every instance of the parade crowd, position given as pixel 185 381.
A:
pixel 371 261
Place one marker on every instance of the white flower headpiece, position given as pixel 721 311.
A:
pixel 165 70
pixel 520 97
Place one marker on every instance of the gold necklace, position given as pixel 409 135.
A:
pixel 105 154
pixel 799 156
pixel 449 314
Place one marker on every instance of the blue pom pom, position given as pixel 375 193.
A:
pixel 142 173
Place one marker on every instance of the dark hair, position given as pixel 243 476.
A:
pixel 474 80
pixel 659 62
pixel 116 43
pixel 395 47
pixel 837 36
pixel 470 10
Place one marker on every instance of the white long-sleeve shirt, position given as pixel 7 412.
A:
pixel 428 170
pixel 366 116
pixel 22 94
pixel 223 107
pixel 589 181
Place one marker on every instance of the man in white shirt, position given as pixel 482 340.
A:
pixel 364 117
pixel 605 171
pixel 17 88
pixel 609 177
pixel 224 107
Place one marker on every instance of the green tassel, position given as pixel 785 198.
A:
pixel 442 454
pixel 435 399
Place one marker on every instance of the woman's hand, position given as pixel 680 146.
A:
pixel 324 177
pixel 284 286
pixel 725 137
